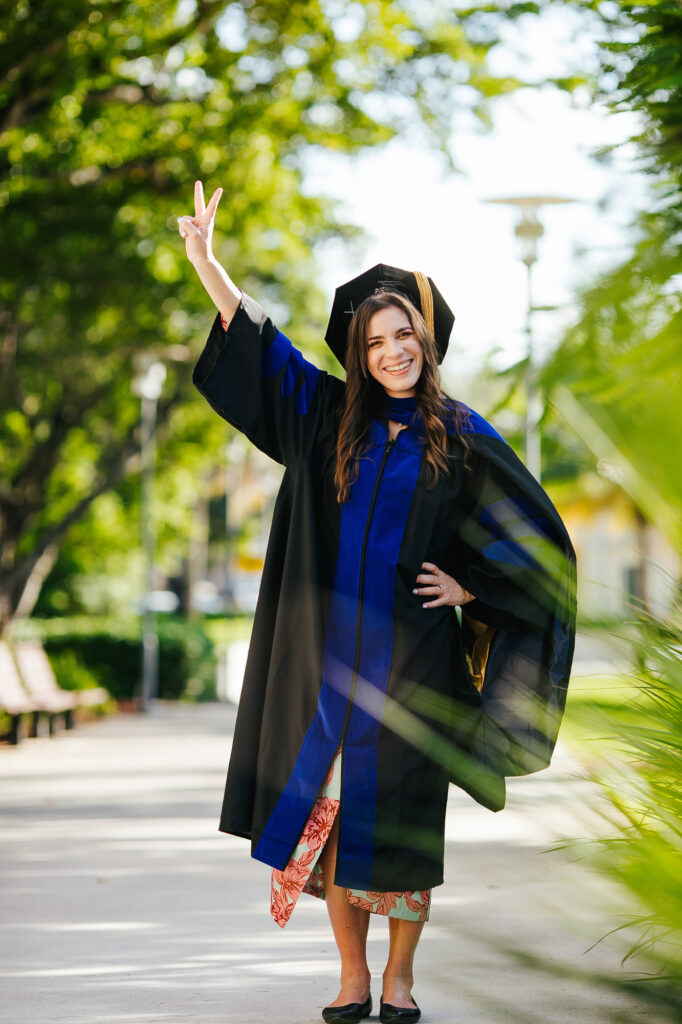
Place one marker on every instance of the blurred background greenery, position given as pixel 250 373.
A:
pixel 108 113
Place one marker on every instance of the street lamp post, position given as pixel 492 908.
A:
pixel 147 385
pixel 528 230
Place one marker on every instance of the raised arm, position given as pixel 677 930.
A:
pixel 198 234
pixel 249 371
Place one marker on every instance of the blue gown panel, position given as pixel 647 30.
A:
pixel 359 723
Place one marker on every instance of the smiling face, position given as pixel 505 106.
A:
pixel 394 353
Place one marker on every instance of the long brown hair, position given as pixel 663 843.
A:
pixel 364 394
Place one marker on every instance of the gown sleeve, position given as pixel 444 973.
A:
pixel 254 377
pixel 515 645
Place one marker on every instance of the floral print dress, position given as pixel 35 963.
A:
pixel 303 871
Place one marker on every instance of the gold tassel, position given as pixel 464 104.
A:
pixel 426 297
pixel 477 659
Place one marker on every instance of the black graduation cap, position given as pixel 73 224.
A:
pixel 419 288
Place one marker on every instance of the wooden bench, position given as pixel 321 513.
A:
pixel 14 700
pixel 41 685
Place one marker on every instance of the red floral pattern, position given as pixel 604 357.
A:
pixel 385 902
pixel 303 871
pixel 281 908
pixel 319 824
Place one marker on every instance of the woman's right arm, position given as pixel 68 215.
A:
pixel 198 234
pixel 249 371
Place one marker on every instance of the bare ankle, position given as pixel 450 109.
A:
pixel 402 976
pixel 396 988
pixel 350 975
pixel 355 985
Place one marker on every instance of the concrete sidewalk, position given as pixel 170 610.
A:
pixel 122 904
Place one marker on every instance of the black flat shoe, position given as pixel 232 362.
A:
pixel 351 1013
pixel 398 1014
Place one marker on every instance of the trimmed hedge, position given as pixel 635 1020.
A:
pixel 110 651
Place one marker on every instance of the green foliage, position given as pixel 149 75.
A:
pixel 621 359
pixel 616 378
pixel 70 672
pixel 638 69
pixel 615 382
pixel 109 652
pixel 638 769
pixel 644 54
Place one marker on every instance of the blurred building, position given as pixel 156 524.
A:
pixel 242 496
pixel 623 561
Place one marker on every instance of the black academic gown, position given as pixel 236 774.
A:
pixel 342 651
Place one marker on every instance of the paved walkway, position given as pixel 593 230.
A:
pixel 122 904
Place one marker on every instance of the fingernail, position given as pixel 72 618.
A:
pixel 415 591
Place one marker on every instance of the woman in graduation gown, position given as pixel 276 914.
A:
pixel 366 692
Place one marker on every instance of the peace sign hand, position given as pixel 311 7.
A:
pixel 198 230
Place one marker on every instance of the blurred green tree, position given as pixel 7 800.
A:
pixel 615 378
pixel 108 113
pixel 615 381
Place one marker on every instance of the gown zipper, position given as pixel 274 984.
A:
pixel 358 631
